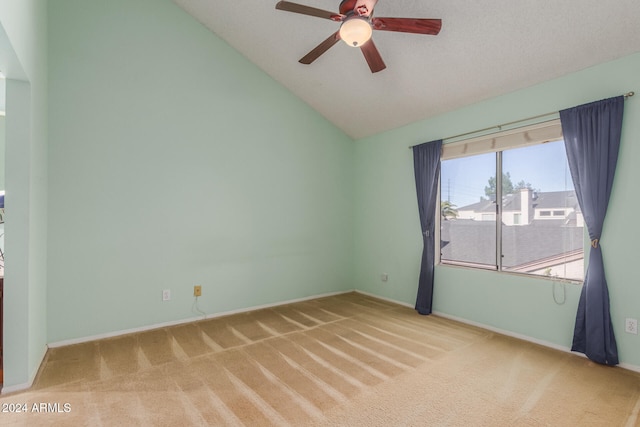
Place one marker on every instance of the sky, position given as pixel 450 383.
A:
pixel 543 165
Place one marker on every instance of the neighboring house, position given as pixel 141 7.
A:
pixel 541 234
pixel 524 207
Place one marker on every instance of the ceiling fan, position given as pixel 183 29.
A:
pixel 357 25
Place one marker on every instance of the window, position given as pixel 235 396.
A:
pixel 511 205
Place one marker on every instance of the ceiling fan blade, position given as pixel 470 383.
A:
pixel 408 25
pixel 320 49
pixel 307 10
pixel 371 54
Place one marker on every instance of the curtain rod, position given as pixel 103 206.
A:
pixel 499 127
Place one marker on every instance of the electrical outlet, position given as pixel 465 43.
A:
pixel 166 295
pixel 384 277
pixel 197 291
pixel 631 326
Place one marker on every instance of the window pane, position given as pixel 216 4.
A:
pixel 468 212
pixel 548 237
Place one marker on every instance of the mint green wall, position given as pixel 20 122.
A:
pixel 24 61
pixel 2 149
pixel 387 230
pixel 173 161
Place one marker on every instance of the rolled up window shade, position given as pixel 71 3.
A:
pixel 519 137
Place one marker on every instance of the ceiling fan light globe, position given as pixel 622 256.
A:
pixel 355 31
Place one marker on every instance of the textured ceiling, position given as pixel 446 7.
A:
pixel 485 48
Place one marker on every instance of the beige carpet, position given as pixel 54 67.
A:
pixel 346 360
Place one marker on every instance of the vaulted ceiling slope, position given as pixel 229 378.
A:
pixel 485 48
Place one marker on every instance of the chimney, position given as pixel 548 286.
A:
pixel 526 210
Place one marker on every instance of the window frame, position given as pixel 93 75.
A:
pixel 522 136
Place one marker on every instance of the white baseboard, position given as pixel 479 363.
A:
pixel 183 321
pixel 629 367
pixel 384 298
pixel 24 386
pixel 548 344
pixel 506 332
pixel 543 343
pixel 16 387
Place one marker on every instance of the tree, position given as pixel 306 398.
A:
pixel 522 185
pixel 448 209
pixel 507 185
